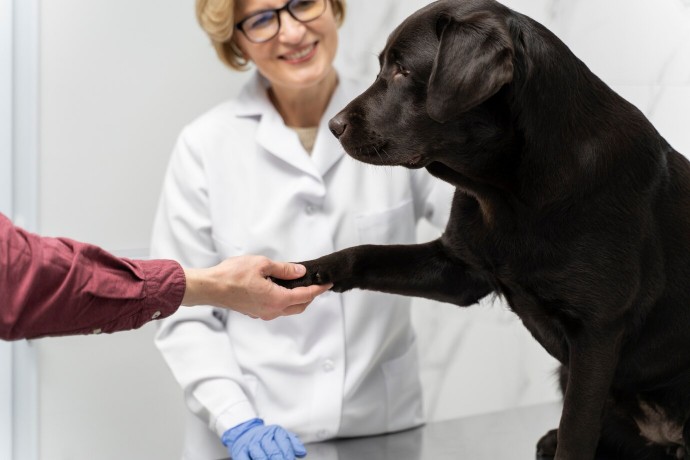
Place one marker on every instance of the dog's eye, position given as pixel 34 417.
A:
pixel 400 70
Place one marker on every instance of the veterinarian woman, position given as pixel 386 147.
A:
pixel 262 174
pixel 58 286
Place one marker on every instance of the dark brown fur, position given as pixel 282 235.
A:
pixel 569 204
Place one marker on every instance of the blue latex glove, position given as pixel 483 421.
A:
pixel 252 440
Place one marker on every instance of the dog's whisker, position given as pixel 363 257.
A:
pixel 379 155
pixel 389 169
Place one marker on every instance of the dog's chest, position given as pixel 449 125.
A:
pixel 521 268
pixel 505 256
pixel 657 427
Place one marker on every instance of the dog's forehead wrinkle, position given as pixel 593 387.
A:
pixel 413 54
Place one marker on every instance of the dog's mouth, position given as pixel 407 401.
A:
pixel 376 154
pixel 416 162
pixel 372 153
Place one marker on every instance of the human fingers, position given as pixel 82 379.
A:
pixel 256 451
pixel 297 446
pixel 285 302
pixel 294 309
pixel 283 443
pixel 269 445
pixel 284 270
pixel 316 290
pixel 305 294
pixel 240 453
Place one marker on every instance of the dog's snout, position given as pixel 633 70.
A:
pixel 338 125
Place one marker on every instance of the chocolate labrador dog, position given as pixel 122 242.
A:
pixel 569 204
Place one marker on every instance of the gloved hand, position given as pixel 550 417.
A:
pixel 252 440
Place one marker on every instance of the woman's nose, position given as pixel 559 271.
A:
pixel 291 30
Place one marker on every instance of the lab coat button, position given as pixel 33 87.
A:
pixel 328 365
pixel 155 315
pixel 310 209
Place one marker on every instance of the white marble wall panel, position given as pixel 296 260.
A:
pixel 641 48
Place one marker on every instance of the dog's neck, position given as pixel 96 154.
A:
pixel 496 204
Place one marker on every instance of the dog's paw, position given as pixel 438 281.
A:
pixel 546 447
pixel 315 275
pixel 330 269
pixel 307 280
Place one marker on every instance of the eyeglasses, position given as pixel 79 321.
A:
pixel 262 26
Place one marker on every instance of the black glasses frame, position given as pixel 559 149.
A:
pixel 240 25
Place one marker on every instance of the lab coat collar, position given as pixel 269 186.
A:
pixel 281 141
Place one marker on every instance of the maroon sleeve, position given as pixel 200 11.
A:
pixel 57 286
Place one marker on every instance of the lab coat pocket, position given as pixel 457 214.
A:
pixel 403 391
pixel 396 225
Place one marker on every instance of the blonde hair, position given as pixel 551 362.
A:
pixel 217 18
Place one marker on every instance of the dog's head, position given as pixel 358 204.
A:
pixel 438 68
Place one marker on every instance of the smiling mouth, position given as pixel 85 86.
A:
pixel 301 55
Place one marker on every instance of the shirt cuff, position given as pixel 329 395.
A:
pixel 165 287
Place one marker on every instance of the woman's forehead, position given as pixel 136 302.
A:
pixel 248 6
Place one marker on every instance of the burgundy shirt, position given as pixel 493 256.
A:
pixel 57 286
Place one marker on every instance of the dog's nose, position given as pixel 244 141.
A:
pixel 337 125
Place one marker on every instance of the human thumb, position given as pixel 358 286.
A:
pixel 287 270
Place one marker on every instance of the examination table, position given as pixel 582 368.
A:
pixel 509 435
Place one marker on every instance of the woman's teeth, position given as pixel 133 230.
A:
pixel 299 54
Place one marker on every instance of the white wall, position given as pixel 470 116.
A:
pixel 6 76
pixel 644 56
pixel 119 80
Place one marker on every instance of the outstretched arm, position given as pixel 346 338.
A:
pixel 58 286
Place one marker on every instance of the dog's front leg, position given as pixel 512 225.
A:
pixel 421 270
pixel 592 363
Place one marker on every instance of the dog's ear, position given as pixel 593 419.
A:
pixel 474 60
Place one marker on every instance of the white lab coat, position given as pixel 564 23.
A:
pixel 239 182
